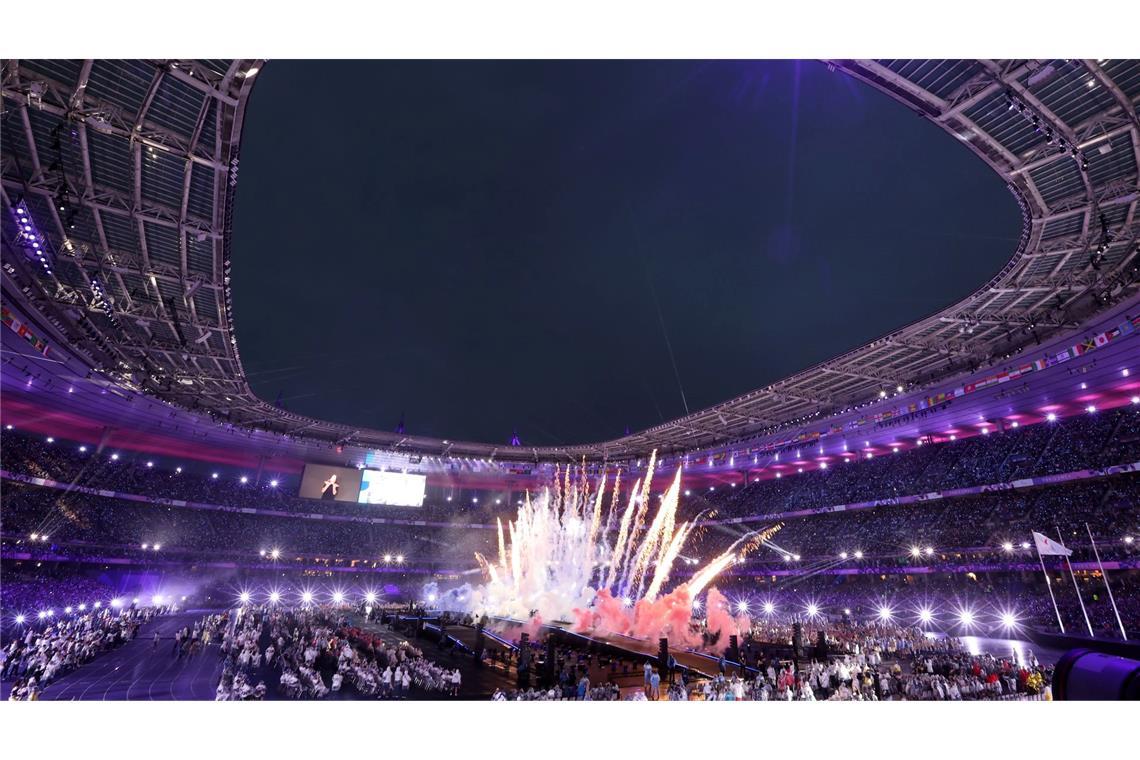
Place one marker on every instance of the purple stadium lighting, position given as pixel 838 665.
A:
pixel 275 554
pixel 769 608
pixel 307 596
pixel 812 610
pixel 1009 620
pixel 842 555
pixel 19 620
pixel 273 484
pixel 274 597
pixel 885 613
pixel 1007 547
pixel 370 596
pixel 243 479
pixel 244 597
pixel 1091 409
pixel 742 606
pixel 858 554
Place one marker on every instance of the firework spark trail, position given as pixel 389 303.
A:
pixel 502 545
pixel 596 520
pixel 623 535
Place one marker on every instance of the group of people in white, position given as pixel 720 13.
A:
pixel 36 656
pixel 318 655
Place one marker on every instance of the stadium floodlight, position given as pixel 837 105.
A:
pixel 307 596
pixel 966 617
pixel 858 554
pixel 214 475
pixel 243 479
pixel 261 553
pixel 929 551
pixel 399 559
pixel 145 547
pixel 35 536
pixel 846 610
pixel 275 554
pixel 19 618
pixel 67 610
pixel 885 613
pixel 82 607
pixel 1051 417
pixel 274 597
pixel 626 601
pixel 337 597
pixel 157 547
pixel 1135 399
pixel 178 470
pixel 769 608
pixel 114 457
pixel 696 604
pixel 156 600
pixel 812 610
pixel 1128 539
pixel 1009 620
pixel 149 465
pixel 50 439
pixel 787 558
pixel 742 606
pixel 82 449
pixel 915 551
pixel 842 555
pixel 925 615
pixel 370 597
pixel 244 597
pixel 273 484
pixel 1024 544
pixel 1091 409
pixel 1007 547
pixel 387 557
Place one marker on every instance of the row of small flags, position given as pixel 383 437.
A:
pixel 1125 328
pixel 25 332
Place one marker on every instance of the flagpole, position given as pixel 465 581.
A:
pixel 1104 577
pixel 1061 538
pixel 1049 585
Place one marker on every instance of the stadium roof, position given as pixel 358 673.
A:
pixel 127 170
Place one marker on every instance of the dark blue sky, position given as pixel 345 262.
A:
pixel 485 246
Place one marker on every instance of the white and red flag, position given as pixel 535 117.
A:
pixel 1047 546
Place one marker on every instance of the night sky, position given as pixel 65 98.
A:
pixel 490 246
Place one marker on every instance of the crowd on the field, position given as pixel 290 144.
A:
pixel 312 653
pixel 41 651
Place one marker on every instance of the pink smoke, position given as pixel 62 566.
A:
pixel 720 620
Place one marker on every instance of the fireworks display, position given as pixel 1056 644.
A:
pixel 560 560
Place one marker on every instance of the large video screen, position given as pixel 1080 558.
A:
pixel 330 483
pixel 396 489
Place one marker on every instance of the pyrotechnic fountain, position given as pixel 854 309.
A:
pixel 556 560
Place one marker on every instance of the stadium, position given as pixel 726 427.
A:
pixel 946 512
